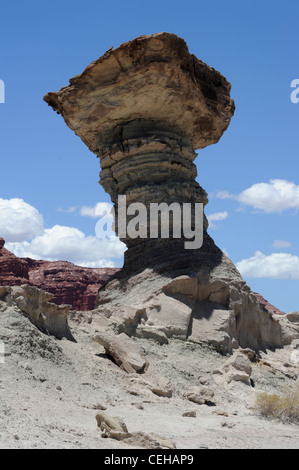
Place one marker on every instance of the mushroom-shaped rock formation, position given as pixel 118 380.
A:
pixel 144 108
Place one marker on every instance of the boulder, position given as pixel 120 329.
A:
pixel 189 414
pixel 108 423
pixel 200 394
pixel 151 383
pixel 115 428
pixel 236 369
pixel 34 303
pixel 289 325
pixel 160 386
pixel 239 362
pixel 126 353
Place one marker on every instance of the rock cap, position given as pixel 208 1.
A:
pixel 154 78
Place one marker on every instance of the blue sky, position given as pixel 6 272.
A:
pixel 49 179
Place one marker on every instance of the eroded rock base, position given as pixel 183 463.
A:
pixel 210 304
pixel 35 304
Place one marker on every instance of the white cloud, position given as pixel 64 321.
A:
pixel 274 266
pixel 278 244
pixel 70 244
pixel 224 195
pixel 99 210
pixel 216 217
pixel 70 210
pixel 274 197
pixel 19 221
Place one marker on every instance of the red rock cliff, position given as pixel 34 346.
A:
pixel 13 271
pixel 69 283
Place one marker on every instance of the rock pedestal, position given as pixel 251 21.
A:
pixel 144 108
pixel 149 163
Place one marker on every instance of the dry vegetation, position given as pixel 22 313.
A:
pixel 285 407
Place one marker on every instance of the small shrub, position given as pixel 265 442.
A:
pixel 268 405
pixel 285 407
pixel 290 404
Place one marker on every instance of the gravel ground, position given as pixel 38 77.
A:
pixel 50 392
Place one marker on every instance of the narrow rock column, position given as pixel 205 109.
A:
pixel 150 162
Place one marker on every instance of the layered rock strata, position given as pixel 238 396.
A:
pixel 126 354
pixel 68 283
pixel 267 306
pixel 35 304
pixel 13 270
pixel 144 108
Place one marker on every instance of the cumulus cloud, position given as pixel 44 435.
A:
pixel 274 266
pixel 70 244
pixel 274 197
pixel 19 221
pixel 101 209
pixel 22 227
pixel 69 210
pixel 216 217
pixel 224 195
pixel 279 244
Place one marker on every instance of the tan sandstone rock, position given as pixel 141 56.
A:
pixel 108 423
pixel 115 428
pixel 124 351
pixel 34 303
pixel 200 394
pixel 289 324
pixel 153 383
pixel 293 317
pixel 189 414
pixel 236 369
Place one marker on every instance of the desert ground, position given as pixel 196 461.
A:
pixel 51 391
